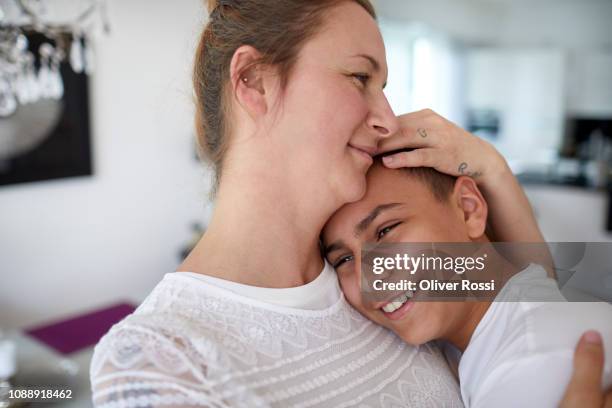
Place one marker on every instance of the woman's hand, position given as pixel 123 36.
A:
pixel 584 389
pixel 441 144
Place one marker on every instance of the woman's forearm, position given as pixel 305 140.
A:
pixel 511 219
pixel 438 143
pixel 510 213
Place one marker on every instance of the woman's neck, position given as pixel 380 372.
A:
pixel 264 232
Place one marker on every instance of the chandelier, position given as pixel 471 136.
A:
pixel 62 29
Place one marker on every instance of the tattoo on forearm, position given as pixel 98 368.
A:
pixel 422 132
pixel 462 169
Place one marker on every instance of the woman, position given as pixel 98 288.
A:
pixel 290 110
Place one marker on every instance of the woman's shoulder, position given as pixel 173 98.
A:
pixel 161 338
pixel 167 322
pixel 165 353
pixel 163 341
pixel 160 360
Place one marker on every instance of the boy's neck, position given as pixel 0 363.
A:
pixel 460 335
pixel 472 312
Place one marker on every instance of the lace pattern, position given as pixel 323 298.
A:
pixel 194 345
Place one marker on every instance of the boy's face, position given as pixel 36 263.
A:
pixel 396 208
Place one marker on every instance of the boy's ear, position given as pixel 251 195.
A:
pixel 472 204
pixel 247 79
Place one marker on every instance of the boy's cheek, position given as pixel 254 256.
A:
pixel 350 287
pixel 429 229
pixel 425 323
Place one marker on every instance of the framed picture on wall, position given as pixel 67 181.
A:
pixel 50 138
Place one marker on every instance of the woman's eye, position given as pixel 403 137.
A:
pixel 342 260
pixel 384 231
pixel 362 78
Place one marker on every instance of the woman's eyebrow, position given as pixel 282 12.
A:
pixel 373 61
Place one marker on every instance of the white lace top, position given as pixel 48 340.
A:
pixel 321 293
pixel 192 344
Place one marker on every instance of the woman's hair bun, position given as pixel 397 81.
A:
pixel 211 5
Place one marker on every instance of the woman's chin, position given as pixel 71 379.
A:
pixel 356 190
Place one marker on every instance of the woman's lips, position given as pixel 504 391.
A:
pixel 365 152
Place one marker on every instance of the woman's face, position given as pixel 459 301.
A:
pixel 333 111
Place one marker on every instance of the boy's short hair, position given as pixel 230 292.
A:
pixel 440 184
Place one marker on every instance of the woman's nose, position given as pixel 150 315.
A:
pixel 382 119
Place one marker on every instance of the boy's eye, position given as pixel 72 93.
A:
pixel 342 260
pixel 384 231
pixel 361 77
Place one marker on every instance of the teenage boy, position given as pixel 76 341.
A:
pixel 512 353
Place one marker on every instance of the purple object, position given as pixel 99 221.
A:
pixel 68 336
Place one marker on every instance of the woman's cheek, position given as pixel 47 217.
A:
pixel 350 110
pixel 357 110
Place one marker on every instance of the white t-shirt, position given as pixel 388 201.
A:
pixel 195 343
pixel 521 353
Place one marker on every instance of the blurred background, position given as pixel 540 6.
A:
pixel 532 77
pixel 101 193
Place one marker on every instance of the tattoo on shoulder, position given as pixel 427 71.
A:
pixel 422 132
pixel 463 169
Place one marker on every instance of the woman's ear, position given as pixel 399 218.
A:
pixel 247 81
pixel 472 204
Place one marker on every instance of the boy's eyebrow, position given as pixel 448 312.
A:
pixel 361 226
pixel 334 247
pixel 365 223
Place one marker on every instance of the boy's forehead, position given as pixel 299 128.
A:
pixel 393 185
pixel 383 181
pixel 383 186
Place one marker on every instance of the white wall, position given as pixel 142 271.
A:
pixel 67 246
